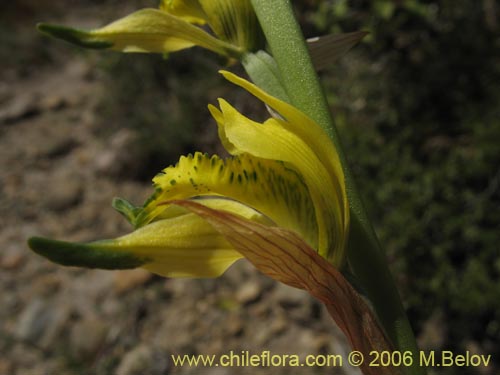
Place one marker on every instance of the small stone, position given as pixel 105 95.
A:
pixel 111 307
pixel 5 92
pixel 121 156
pixel 279 325
pixel 12 259
pixel 61 315
pixel 18 108
pixel 47 284
pixel 34 321
pixel 138 361
pixel 320 343
pixel 65 191
pixel 55 146
pixel 301 338
pixel 42 321
pixel 5 366
pixel 52 102
pixel 289 297
pixel 238 273
pixel 248 292
pixel 234 325
pixel 130 279
pixel 87 336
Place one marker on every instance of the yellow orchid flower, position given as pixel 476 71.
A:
pixel 172 27
pixel 283 187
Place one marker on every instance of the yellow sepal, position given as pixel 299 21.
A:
pixel 147 30
pixel 189 10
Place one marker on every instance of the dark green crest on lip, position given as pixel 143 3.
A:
pixel 92 255
pixel 74 36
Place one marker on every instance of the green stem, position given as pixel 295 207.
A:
pixel 366 257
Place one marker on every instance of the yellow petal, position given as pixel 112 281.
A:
pixel 288 142
pixel 268 186
pixel 189 10
pixel 147 30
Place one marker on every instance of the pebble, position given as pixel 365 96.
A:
pixel 249 292
pixel 12 259
pixel 240 271
pixel 59 319
pixel 297 303
pixel 235 325
pixel 294 339
pixel 34 320
pixel 289 297
pixel 52 103
pixel 42 321
pixel 279 324
pixel 55 146
pixel 19 107
pixel 47 284
pixel 138 361
pixel 129 279
pixel 121 156
pixel 87 336
pixel 65 191
pixel 5 92
pixel 5 366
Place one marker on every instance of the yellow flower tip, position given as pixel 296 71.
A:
pixel 215 112
pixel 225 108
pixel 231 77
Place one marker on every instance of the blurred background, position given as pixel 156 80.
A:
pixel 417 104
